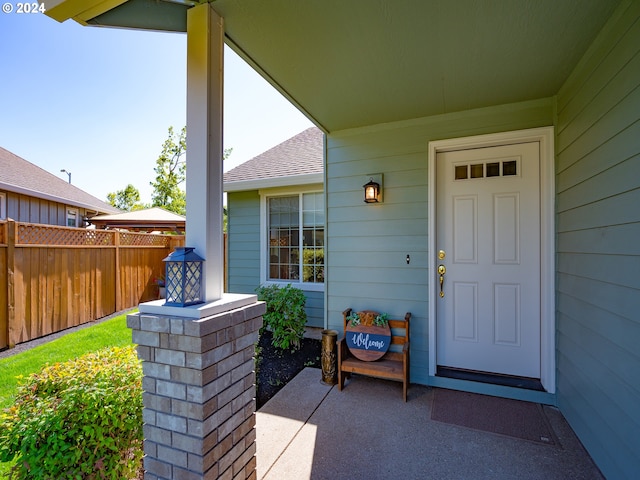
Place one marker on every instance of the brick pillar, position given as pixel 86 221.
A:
pixel 199 393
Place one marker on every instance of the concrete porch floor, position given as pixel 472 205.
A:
pixel 313 431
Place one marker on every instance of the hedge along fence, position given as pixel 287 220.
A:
pixel 53 278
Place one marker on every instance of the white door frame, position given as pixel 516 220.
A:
pixel 544 135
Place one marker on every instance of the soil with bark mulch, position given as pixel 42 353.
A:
pixel 276 367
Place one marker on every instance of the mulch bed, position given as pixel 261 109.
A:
pixel 277 367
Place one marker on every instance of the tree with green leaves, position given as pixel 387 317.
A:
pixel 127 199
pixel 171 173
pixel 171 170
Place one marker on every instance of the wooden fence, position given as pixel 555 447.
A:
pixel 53 278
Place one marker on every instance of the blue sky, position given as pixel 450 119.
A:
pixel 98 102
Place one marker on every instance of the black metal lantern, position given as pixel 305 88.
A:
pixel 183 278
pixel 371 191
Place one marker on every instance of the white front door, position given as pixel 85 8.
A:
pixel 488 228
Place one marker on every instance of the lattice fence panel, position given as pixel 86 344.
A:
pixel 34 234
pixel 143 240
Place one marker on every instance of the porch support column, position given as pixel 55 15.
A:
pixel 199 393
pixel 205 32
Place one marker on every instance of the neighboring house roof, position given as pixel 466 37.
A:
pixel 20 176
pixel 155 218
pixel 297 161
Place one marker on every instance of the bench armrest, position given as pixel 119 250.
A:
pixel 343 350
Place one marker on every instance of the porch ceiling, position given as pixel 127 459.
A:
pixel 355 63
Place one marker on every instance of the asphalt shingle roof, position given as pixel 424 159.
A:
pixel 300 155
pixel 20 176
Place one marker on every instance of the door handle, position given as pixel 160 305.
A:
pixel 442 270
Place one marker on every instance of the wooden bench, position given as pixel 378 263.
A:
pixel 394 365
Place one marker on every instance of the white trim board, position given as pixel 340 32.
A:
pixel 545 137
pixel 3 206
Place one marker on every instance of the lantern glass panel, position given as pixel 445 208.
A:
pixel 173 280
pixel 193 272
pixel 371 193
pixel 183 278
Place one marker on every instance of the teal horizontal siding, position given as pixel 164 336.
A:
pixel 610 152
pixel 598 247
pixel 610 211
pixel 367 245
pixel 314 307
pixel 243 241
pixel 614 240
pixel 607 184
pixel 243 252
pixel 594 266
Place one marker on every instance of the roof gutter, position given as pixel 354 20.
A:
pixel 276 182
pixel 149 226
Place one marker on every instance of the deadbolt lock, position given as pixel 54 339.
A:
pixel 441 255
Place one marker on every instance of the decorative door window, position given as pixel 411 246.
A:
pixel 496 168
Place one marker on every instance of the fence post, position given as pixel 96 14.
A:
pixel 116 242
pixel 11 291
pixel 4 321
pixel 175 241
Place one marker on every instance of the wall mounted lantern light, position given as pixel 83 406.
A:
pixel 372 190
pixel 183 278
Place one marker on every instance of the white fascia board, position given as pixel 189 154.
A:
pixel 276 182
pixel 80 10
pixel 45 196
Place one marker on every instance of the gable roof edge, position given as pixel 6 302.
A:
pixel 291 180
pixel 45 196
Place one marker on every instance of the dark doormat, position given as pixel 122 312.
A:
pixel 513 418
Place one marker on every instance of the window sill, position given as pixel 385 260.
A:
pixel 307 287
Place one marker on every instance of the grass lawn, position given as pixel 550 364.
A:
pixel 110 333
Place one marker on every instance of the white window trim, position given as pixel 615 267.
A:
pixel 264 197
pixel 3 206
pixel 76 213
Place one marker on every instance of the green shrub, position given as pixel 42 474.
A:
pixel 81 419
pixel 285 316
